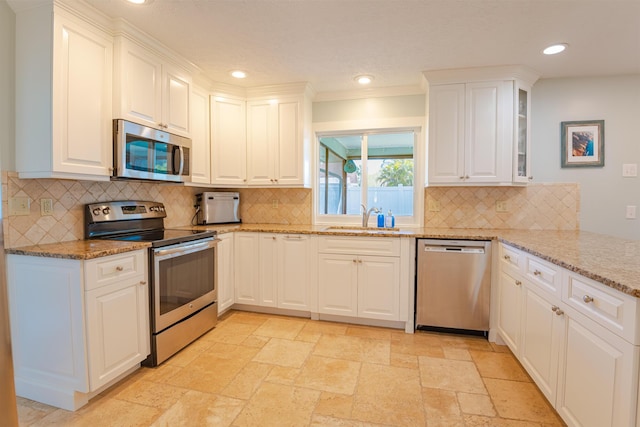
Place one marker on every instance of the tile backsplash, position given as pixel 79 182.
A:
pixel 537 206
pixel 547 206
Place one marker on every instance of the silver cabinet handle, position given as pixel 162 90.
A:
pixel 587 299
pixel 293 237
pixel 119 268
pixel 518 283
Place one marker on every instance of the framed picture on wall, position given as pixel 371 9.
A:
pixel 582 143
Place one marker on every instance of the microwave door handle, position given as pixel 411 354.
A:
pixel 180 168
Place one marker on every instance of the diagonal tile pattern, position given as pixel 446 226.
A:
pixel 265 370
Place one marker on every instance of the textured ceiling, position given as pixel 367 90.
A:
pixel 328 42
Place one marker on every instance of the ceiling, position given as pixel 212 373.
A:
pixel 328 42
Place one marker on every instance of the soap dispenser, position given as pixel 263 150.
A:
pixel 380 219
pixel 390 221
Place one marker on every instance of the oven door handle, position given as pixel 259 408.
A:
pixel 185 249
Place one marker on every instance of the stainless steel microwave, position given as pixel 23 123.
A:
pixel 141 152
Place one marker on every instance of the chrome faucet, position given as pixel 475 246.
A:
pixel 366 213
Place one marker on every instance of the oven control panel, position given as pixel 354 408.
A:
pixel 124 210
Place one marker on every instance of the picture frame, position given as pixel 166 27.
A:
pixel 582 143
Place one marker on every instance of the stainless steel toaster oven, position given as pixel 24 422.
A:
pixel 217 207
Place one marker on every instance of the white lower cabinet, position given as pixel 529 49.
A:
pixel 92 324
pixel 353 283
pixel 274 270
pixel 577 340
pixel 225 272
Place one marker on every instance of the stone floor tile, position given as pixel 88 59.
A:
pixel 499 365
pixel 278 405
pixel 247 317
pixel 440 404
pixel 388 382
pixel 454 375
pixel 334 405
pixel 326 374
pixel 157 374
pixel 354 348
pixel 148 393
pixel 189 353
pixel 520 401
pixel 369 332
pixel 230 332
pixel 247 381
pixel 402 360
pixel 396 411
pixel 283 375
pixel 30 412
pixel 325 328
pixel 468 342
pixel 255 341
pixel 208 374
pixel 277 327
pixel 201 409
pixel 481 421
pixel 284 353
pixel 456 353
pixel 328 421
pixel 476 404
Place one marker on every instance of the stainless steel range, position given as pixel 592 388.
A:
pixel 182 271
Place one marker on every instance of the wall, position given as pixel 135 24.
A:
pixel 604 192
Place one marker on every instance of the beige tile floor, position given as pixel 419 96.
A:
pixel 264 370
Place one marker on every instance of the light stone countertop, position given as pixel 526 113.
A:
pixel 612 261
pixel 79 249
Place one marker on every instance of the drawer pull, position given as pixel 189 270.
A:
pixel 559 312
pixel 119 268
pixel 555 308
pixel 507 257
pixel 537 273
pixel 587 299
pixel 518 283
pixel 143 282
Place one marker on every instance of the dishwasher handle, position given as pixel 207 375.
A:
pixel 454 249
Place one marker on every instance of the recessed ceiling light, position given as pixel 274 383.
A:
pixel 364 79
pixel 239 74
pixel 556 48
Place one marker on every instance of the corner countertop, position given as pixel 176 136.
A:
pixel 613 261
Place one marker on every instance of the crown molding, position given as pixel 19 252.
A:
pixel 478 74
pixel 381 92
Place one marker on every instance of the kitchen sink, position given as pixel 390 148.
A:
pixel 361 230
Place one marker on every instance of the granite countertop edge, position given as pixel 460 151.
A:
pixel 612 261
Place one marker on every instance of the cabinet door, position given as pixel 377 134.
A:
pixel 117 329
pixel 446 133
pixel 225 272
pixel 267 267
pixel 247 256
pixel 338 284
pixel 262 136
pixel 200 141
pixel 176 94
pixel 379 287
pixel 228 141
pixel 140 88
pixel 599 374
pixel 82 99
pixel 294 266
pixel 488 125
pixel 290 152
pixel 509 309
pixel 522 135
pixel 542 329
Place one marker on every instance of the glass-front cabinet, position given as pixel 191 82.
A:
pixel 522 151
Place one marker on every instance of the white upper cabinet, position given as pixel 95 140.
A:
pixel 228 141
pixel 200 137
pixel 150 90
pixel 475 128
pixel 63 96
pixel 279 140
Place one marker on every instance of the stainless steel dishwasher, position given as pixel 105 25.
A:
pixel 453 285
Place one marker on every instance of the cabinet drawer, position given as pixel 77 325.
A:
pixel 543 274
pixel 612 309
pixel 511 258
pixel 106 270
pixel 385 246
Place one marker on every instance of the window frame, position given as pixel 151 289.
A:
pixel 346 128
